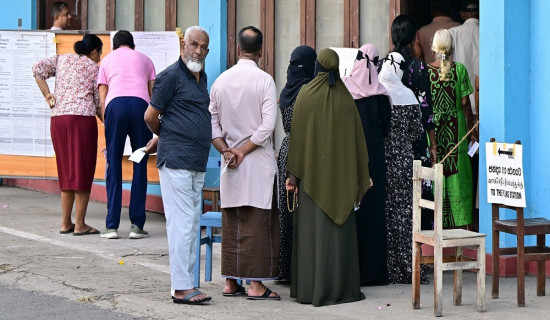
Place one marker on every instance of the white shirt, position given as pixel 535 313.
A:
pixel 56 28
pixel 466 50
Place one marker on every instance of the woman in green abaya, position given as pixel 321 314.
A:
pixel 328 168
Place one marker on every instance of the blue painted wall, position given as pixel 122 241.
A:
pixel 540 111
pixel 513 98
pixel 13 10
pixel 213 17
pixel 491 62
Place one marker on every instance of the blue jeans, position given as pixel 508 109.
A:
pixel 124 116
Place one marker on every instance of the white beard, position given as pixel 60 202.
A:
pixel 194 66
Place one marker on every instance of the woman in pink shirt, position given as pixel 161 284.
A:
pixel 73 125
pixel 125 84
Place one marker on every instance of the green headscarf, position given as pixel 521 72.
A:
pixel 327 148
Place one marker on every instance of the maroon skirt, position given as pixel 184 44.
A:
pixel 74 140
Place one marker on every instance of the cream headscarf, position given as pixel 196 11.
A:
pixel 390 77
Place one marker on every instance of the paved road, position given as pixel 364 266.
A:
pixel 20 304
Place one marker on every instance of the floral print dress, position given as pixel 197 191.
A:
pixel 415 77
pixel 76 91
pixel 285 216
pixel 406 127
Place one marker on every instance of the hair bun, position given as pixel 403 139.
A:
pixel 79 47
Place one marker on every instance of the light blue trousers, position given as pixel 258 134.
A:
pixel 181 196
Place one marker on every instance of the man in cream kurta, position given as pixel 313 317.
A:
pixel 466 43
pixel 243 104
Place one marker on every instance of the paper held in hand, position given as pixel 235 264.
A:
pixel 137 155
pixel 472 148
pixel 224 168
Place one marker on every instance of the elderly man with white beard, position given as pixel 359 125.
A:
pixel 178 114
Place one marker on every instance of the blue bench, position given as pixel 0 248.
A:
pixel 209 220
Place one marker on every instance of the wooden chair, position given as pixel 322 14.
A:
pixel 521 227
pixel 212 194
pixel 439 239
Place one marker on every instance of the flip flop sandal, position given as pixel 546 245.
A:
pixel 187 298
pixel 264 296
pixel 239 291
pixel 87 232
pixel 70 230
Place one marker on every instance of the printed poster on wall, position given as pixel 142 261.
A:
pixel 24 114
pixel 161 47
pixel 505 181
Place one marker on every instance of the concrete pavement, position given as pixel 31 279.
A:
pixel 132 276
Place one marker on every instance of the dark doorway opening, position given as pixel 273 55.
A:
pixel 420 10
pixel 45 19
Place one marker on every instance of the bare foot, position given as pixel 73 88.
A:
pixel 68 227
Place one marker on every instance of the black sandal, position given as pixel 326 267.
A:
pixel 187 298
pixel 265 296
pixel 239 291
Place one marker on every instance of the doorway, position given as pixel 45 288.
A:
pixel 420 10
pixel 45 19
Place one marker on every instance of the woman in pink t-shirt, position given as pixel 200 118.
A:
pixel 125 82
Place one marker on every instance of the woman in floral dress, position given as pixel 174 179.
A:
pixel 405 128
pixel 73 125
pixel 415 77
pixel 300 71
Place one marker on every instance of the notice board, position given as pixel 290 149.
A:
pixel 505 181
pixel 42 164
pixel 24 119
